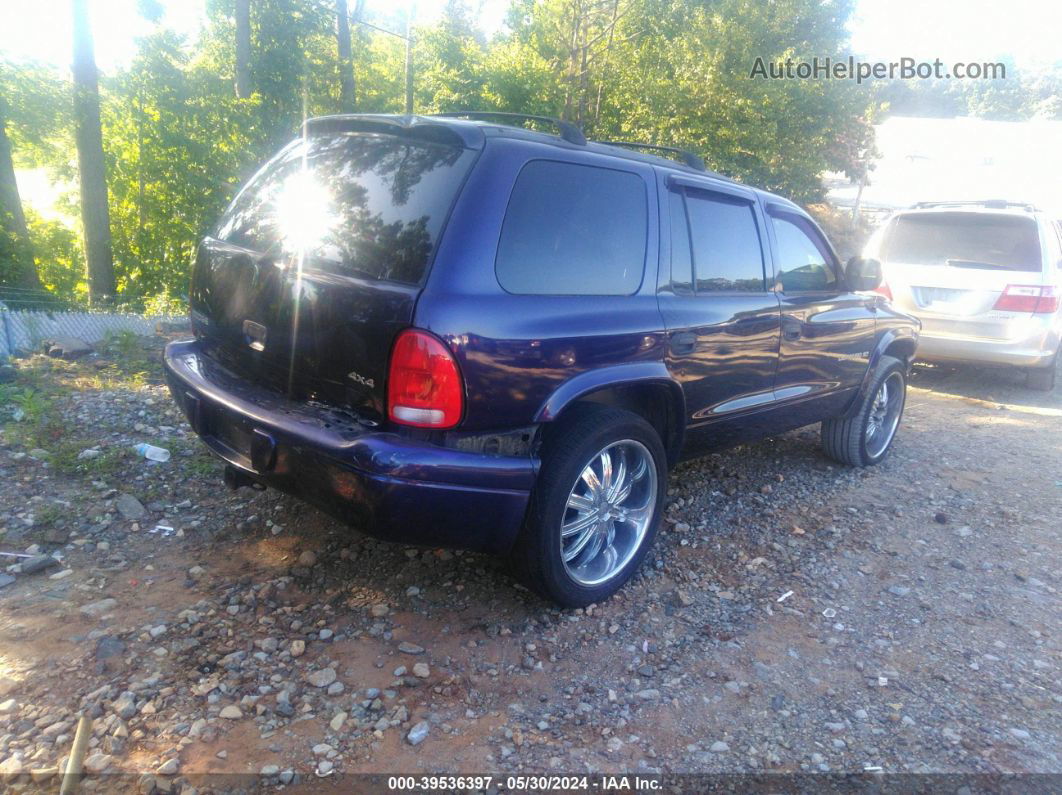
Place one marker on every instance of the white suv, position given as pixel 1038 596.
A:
pixel 984 279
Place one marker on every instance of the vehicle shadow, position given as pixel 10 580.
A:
pixel 992 384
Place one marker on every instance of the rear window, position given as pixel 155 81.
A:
pixel 573 230
pixel 964 240
pixel 362 205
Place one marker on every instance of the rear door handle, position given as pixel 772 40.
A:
pixel 791 332
pixel 683 342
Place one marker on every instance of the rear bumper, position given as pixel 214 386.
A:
pixel 1032 347
pixel 392 487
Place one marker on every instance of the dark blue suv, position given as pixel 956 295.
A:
pixel 461 332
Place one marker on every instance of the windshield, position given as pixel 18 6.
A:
pixel 359 204
pixel 964 240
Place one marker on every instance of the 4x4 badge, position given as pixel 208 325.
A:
pixel 360 379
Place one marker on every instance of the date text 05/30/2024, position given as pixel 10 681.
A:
pixel 524 783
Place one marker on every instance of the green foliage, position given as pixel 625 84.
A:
pixel 60 260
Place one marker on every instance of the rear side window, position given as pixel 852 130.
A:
pixel 573 230
pixel 727 255
pixel 982 241
pixel 356 204
pixel 803 263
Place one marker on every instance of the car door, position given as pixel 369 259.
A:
pixel 828 331
pixel 722 321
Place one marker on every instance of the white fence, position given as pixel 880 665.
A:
pixel 23 332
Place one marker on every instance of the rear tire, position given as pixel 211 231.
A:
pixel 865 437
pixel 610 516
pixel 1043 378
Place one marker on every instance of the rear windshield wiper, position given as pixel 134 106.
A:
pixel 971 263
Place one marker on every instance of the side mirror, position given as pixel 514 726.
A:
pixel 862 274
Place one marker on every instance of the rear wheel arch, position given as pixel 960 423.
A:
pixel 660 403
pixel 902 349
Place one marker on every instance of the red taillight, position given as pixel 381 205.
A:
pixel 424 387
pixel 883 289
pixel 1028 298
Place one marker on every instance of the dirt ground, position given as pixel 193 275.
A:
pixel 795 617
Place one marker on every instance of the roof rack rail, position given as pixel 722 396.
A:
pixel 994 204
pixel 687 157
pixel 568 131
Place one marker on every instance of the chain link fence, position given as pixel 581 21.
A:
pixel 26 321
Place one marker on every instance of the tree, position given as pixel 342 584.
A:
pixel 88 135
pixel 243 48
pixel 347 88
pixel 19 268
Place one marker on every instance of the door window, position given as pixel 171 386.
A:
pixel 726 251
pixel 803 263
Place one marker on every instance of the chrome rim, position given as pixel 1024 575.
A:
pixel 609 512
pixel 884 416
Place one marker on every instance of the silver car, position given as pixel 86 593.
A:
pixel 984 279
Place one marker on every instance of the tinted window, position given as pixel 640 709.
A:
pixel 965 240
pixel 573 230
pixel 363 205
pixel 726 244
pixel 803 265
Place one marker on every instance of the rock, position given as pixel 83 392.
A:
pixel 335 689
pixel 10 768
pixel 130 507
pixel 287 776
pixel 67 347
pixel 298 648
pixel 321 749
pixel 108 647
pixel 169 767
pixel 379 611
pixel 38 563
pixel 410 648
pixel 324 768
pixel 5 580
pixel 1021 734
pixel 89 453
pixel 98 762
pixel 9 706
pixel 61 575
pixel 940 518
pixel 964 532
pixel 322 677
pixel 308 559
pixel 269 770
pixel 899 590
pixel 337 722
pixel 648 694
pixel 418 733
pixel 97 609
pixel 325 635
pixel 125 706
pixel 230 712
pixel 719 747
pixel 421 670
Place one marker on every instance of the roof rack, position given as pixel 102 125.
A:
pixel 687 157
pixel 568 131
pixel 992 204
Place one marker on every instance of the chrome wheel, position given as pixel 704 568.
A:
pixel 884 415
pixel 609 512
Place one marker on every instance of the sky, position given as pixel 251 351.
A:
pixel 953 30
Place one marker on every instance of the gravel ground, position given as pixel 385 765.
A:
pixel 796 616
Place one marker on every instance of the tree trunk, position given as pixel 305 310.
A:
pixel 12 219
pixel 243 48
pixel 92 170
pixel 409 61
pixel 346 60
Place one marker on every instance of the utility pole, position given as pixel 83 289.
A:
pixel 409 61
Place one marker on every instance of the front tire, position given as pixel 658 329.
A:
pixel 596 508
pixel 865 437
